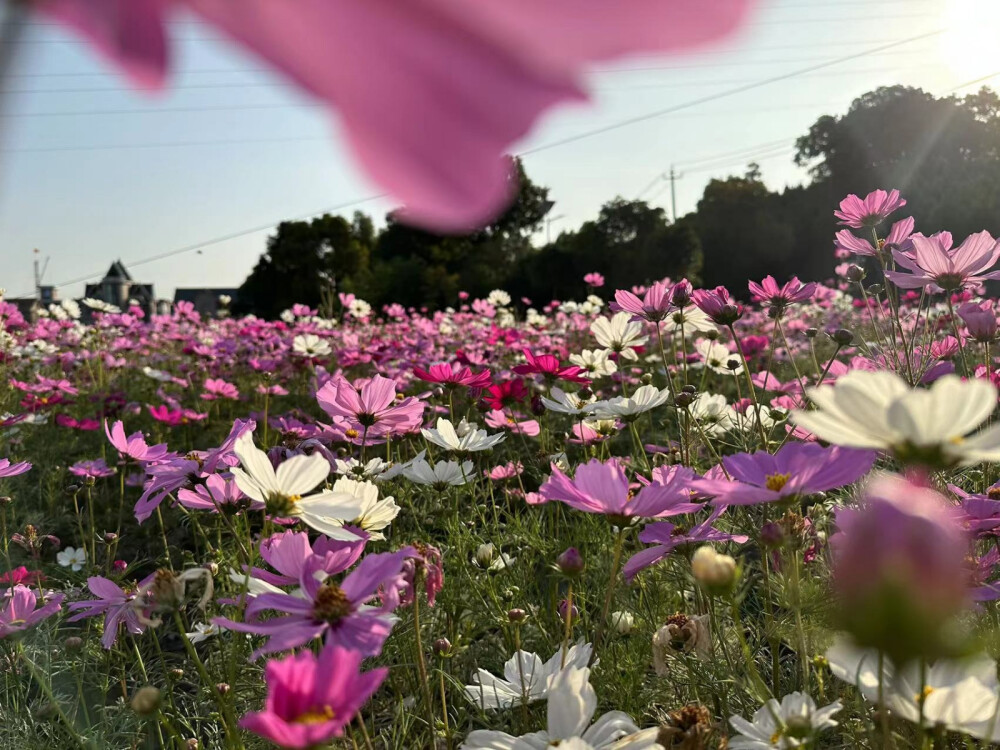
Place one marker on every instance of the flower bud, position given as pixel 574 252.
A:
pixel 73 643
pixel 110 537
pixel 899 569
pixel 6 500
pixel 715 572
pixel 812 333
pixel 71 489
pixel 485 555
pixel 772 535
pixel 689 389
pixel 442 647
pixel 222 687
pixel 874 290
pixel 191 744
pixel 211 567
pixel 561 609
pixel 89 481
pixel 537 407
pixel 646 378
pixel 623 622
pixel 145 701
pixel 517 615
pixel 119 566
pixel 842 337
pixel 855 273
pixel 570 563
pixel 683 400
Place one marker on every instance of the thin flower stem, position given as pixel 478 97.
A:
pixel 568 627
pixel 425 688
pixel 753 392
pixel 612 580
pixel 958 335
pixel 46 689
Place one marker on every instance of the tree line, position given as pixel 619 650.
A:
pixel 942 153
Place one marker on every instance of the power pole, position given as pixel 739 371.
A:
pixel 38 277
pixel 673 177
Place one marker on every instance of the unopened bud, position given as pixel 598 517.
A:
pixel 191 744
pixel 6 500
pixel 222 687
pixel 176 674
pixel 442 647
pixel 89 481
pixel 689 389
pixel 211 567
pixel 855 273
pixel 715 572
pixel 842 337
pixel 146 701
pixel 517 615
pixel 570 563
pixel 772 535
pixel 71 489
pixel 684 399
pixel 110 537
pixel 486 554
pixel 622 622
pixel 646 378
pixel 812 333
pixel 73 643
pixel 875 289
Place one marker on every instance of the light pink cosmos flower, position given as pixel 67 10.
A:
pixel 769 292
pixel 718 305
pixel 134 446
pixel 372 409
pixel 871 211
pixel 217 493
pixel 216 388
pixel 653 307
pixel 311 699
pixel 897 239
pixel 603 487
pixel 20 610
pixel 594 279
pixel 980 320
pixel 7 469
pixel 430 92
pixel 114 603
pixel 933 264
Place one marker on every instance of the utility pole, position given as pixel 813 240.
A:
pixel 38 277
pixel 548 227
pixel 673 177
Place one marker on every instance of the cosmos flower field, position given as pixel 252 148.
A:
pixel 659 517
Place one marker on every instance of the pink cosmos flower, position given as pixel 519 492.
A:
pixel 475 76
pixel 666 537
pixel 290 551
pixel 134 446
pixel 603 487
pixel 897 239
pixel 20 609
pixel 594 279
pixel 933 264
pixel 454 374
pixel 329 609
pixel 549 366
pixel 216 388
pixel 796 470
pixel 86 425
pixel 175 417
pixel 980 320
pixel 311 699
pixel 779 297
pixel 7 469
pixel 871 211
pixel 21 574
pixel 718 305
pixel 372 409
pixel 114 603
pixel 508 470
pixel 271 390
pixel 217 493
pixel 507 393
pixel 500 420
pixel 96 469
pixel 653 307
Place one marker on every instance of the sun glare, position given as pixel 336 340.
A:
pixel 971 44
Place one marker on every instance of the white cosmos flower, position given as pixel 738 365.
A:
pixel 373 469
pixel 645 398
pixel 789 724
pixel 716 357
pixel 597 362
pixel 375 514
pixel 961 695
pixel 571 705
pixel 441 475
pixel 490 691
pixel 713 413
pixel 203 632
pixel 446 436
pixel 567 403
pixel 879 410
pixel 73 558
pixel 160 375
pixel 693 319
pixel 359 309
pixel 498 298
pixel 100 305
pixel 282 491
pixel 619 334
pixel 310 345
pixel 487 557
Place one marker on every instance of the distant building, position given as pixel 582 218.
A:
pixel 29 306
pixel 205 300
pixel 118 287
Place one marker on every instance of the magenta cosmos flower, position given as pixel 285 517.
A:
pixel 980 320
pixel 216 388
pixel 666 537
pixel 603 487
pixel 217 493
pixel 114 603
pixel 336 611
pixel 373 408
pixel 897 239
pixel 797 469
pixel 871 211
pixel 289 552
pixel 549 366
pixel 311 699
pixel 718 305
pixel 779 297
pixel 453 375
pixel 95 469
pixel 475 76
pixel 653 307
pixel 932 263
pixel 7 469
pixel 21 609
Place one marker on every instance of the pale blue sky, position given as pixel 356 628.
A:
pixel 230 147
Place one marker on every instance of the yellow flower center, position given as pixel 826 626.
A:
pixel 281 505
pixel 777 482
pixel 315 716
pixel 923 695
pixel 352 433
pixel 332 604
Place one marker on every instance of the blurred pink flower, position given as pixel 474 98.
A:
pixel 933 263
pixel 311 699
pixel 594 279
pixel 780 297
pixel 20 610
pixel 430 92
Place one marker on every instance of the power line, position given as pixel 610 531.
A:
pixel 140 111
pixel 178 144
pixel 721 95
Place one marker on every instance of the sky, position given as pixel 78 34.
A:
pixel 91 170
